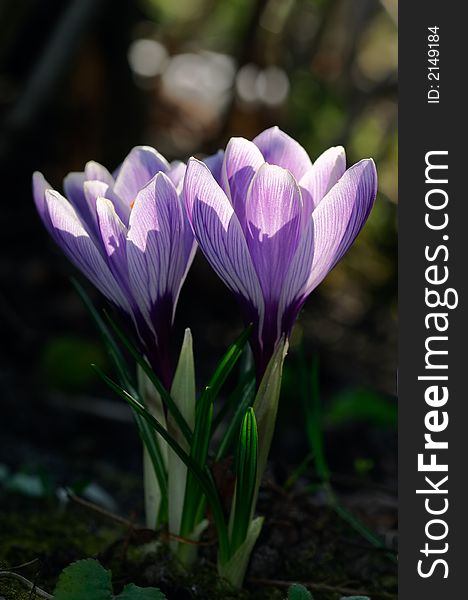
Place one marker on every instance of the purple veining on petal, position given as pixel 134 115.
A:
pixel 215 165
pixel 242 160
pixel 219 234
pixel 131 238
pixel 277 225
pixel 324 174
pixel 278 148
pixel 140 166
pixel 273 214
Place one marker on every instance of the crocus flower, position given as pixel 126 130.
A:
pixel 272 224
pixel 129 235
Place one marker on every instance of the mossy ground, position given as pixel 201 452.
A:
pixel 303 540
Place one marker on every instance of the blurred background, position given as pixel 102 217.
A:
pixel 89 79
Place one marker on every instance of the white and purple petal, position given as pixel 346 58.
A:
pixel 318 181
pixel 242 159
pixel 220 236
pixel 113 235
pixel 156 254
pixel 40 185
pixel 214 162
pixel 140 166
pixel 75 241
pixel 273 214
pixel 176 173
pixel 278 148
pixel 95 171
pixel 332 228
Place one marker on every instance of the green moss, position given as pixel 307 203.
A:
pixel 13 590
pixel 54 537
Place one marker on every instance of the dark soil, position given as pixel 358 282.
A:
pixel 303 540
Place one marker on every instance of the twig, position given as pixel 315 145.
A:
pixel 26 564
pixel 320 587
pixel 130 525
pixel 31 586
pixel 102 511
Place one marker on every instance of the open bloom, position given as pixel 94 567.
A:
pixel 129 235
pixel 272 224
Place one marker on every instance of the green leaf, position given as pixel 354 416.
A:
pixel 84 580
pixel 243 397
pixel 227 363
pixel 299 592
pixel 143 363
pixel 246 478
pixel 233 569
pixel 266 404
pixel 155 475
pixel 203 476
pixel 112 348
pixel 193 500
pixel 133 592
pixel 184 394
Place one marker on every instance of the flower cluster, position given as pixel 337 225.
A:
pixel 271 223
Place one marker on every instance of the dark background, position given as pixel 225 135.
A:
pixel 88 79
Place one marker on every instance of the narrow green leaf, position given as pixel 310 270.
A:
pixel 227 363
pixel 245 399
pixel 246 478
pixel 112 348
pixel 154 466
pixel 193 499
pixel 204 476
pixel 198 453
pixel 84 580
pixel 134 592
pixel 143 363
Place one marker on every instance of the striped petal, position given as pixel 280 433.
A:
pixel 318 181
pixel 113 234
pixel 273 215
pixel 215 165
pixel 219 234
pixel 155 244
pixel 280 149
pixel 333 227
pixel 40 185
pixel 140 166
pixel 75 241
pixel 95 171
pixel 242 160
pixel 176 172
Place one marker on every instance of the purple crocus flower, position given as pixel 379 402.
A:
pixel 272 224
pixel 129 235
